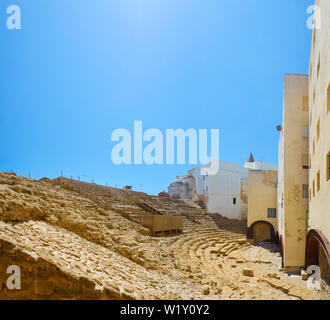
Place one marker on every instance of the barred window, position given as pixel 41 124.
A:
pixel 271 213
pixel 305 191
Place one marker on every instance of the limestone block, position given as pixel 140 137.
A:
pixel 304 275
pixel 274 275
pixel 248 272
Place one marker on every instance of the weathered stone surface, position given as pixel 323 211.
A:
pixel 74 240
pixel 304 275
pixel 248 272
pixel 274 275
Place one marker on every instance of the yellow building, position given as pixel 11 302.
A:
pixel 244 198
pixel 318 249
pixel 262 205
pixel 293 172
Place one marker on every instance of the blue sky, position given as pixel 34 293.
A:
pixel 80 69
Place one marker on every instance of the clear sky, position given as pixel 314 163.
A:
pixel 80 69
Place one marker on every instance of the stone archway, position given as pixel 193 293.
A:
pixel 318 253
pixel 261 231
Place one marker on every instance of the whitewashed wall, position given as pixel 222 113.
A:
pixel 220 189
pixel 260 165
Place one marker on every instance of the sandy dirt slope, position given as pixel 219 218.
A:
pixel 76 240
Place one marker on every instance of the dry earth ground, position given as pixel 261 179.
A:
pixel 74 240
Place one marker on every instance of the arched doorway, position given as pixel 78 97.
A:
pixel 318 253
pixel 261 231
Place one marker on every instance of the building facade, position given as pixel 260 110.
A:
pixel 183 188
pixel 225 192
pixel 262 205
pixel 318 249
pixel 221 192
pixel 251 164
pixel 293 171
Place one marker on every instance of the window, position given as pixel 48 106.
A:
pixel 305 161
pixel 305 191
pixel 314 97
pixel 328 99
pixel 313 188
pixel 271 213
pixel 318 130
pixel 328 166
pixel 305 103
pixel 310 194
pixel 318 181
pixel 305 132
pixel 234 200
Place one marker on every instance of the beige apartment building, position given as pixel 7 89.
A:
pixel 262 205
pixel 293 165
pixel 318 249
pixel 299 215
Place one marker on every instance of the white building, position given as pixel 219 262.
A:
pixel 183 188
pixel 258 165
pixel 221 192
pixel 224 192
